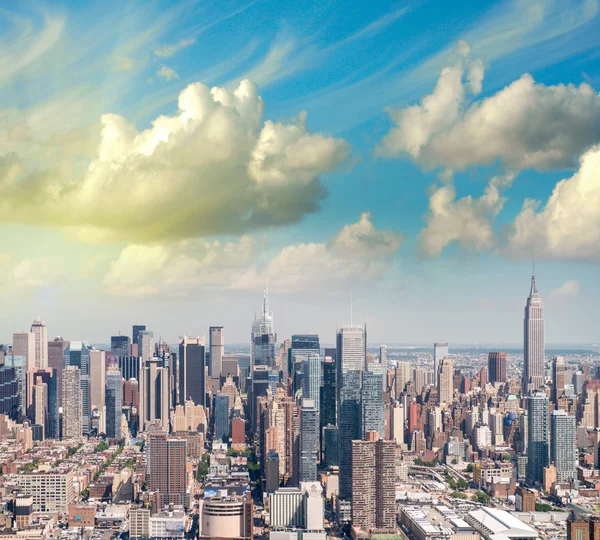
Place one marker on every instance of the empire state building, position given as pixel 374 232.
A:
pixel 533 342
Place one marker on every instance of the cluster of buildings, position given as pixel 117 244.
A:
pixel 294 439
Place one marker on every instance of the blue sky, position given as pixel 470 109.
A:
pixel 384 148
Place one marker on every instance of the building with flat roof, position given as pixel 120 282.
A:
pixel 492 523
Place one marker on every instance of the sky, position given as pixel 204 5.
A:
pixel 161 162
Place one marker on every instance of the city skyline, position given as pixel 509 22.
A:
pixel 411 199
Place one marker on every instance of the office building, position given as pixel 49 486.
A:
pixel 56 358
pixel 120 346
pixel 9 392
pixel 328 401
pixel 129 366
pixel 192 369
pixel 374 484
pixel 403 374
pixel 24 346
pixel 537 436
pixel 563 445
pixel 309 441
pixel 445 381
pixel 146 344
pixel 97 378
pixel 217 350
pixel 398 421
pixel 221 417
pixel 533 342
pixel 351 352
pixel 154 395
pixel 311 379
pixel 330 446
pixel 371 401
pixel 114 403
pixel 558 378
pixel 263 338
pixel 51 492
pixel 440 350
pixel 302 346
pixel 497 367
pixel 40 405
pixel 135 340
pixel 167 468
pixel 78 354
pixel 71 403
pixel 40 338
pixel 383 357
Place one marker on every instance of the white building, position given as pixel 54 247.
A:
pixel 492 523
pixel 483 436
pixel 50 492
pixel 40 333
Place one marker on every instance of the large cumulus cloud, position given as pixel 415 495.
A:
pixel 567 226
pixel 525 125
pixel 214 167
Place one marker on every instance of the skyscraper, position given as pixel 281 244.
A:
pixel 440 350
pixel 167 468
pixel 40 334
pixel 309 441
pixel 497 367
pixel 137 328
pixel 71 403
pixel 9 396
pixel 120 346
pixel 262 338
pixel 24 346
pixel 537 436
pixel 558 378
pixel 563 445
pixel 311 380
pixel 192 365
pixel 146 344
pixel 446 381
pixel 217 349
pixel 114 403
pixel 154 395
pixel 351 351
pixel 373 484
pixel 383 357
pixel 221 416
pixel 328 405
pixel 533 341
pixel 56 358
pixel 97 379
pixel 78 354
pixel 371 401
pixel 302 346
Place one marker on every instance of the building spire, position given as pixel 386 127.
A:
pixel 533 286
pixel 266 300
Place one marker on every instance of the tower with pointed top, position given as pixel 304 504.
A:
pixel 262 339
pixel 533 341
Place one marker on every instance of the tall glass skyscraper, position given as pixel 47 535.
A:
pixel 302 345
pixel 351 352
pixel 311 380
pixel 372 401
pixel 533 341
pixel 221 416
pixel 77 354
pixel 114 403
pixel 537 436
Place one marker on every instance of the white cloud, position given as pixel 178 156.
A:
pixel 167 73
pixel 166 51
pixel 358 252
pixel 176 268
pixel 525 125
pixel 569 289
pixel 214 167
pixel 467 221
pixel 568 225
